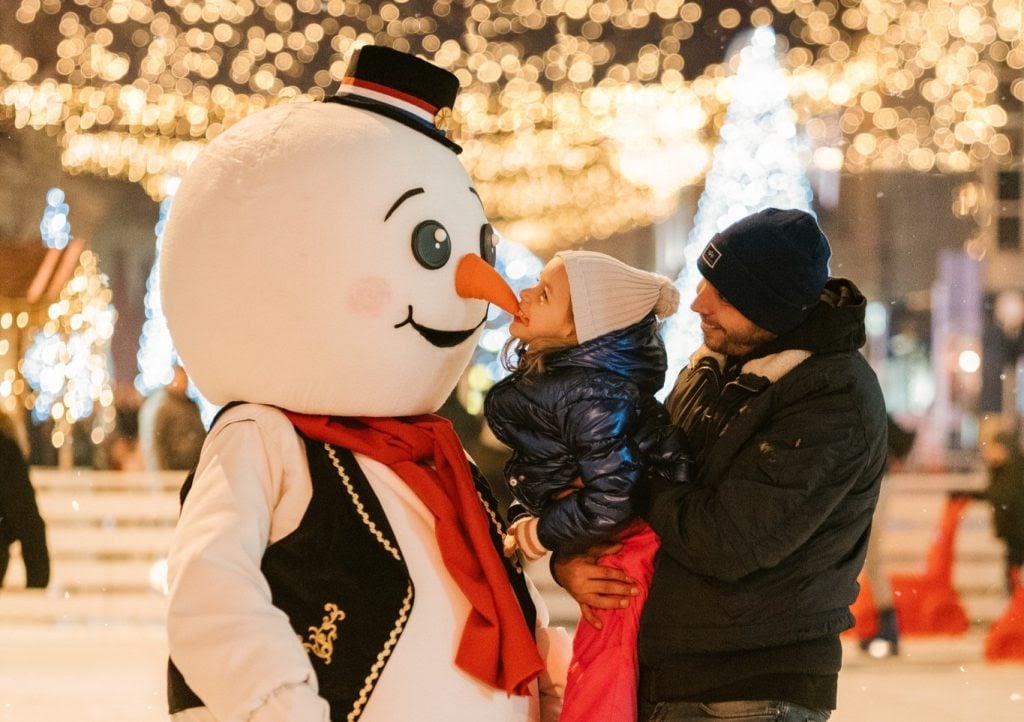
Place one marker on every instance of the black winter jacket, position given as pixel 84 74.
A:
pixel 19 517
pixel 591 414
pixel 762 549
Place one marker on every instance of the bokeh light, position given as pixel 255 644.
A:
pixel 566 108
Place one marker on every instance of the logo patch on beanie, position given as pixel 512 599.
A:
pixel 711 255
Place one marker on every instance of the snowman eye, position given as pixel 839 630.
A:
pixel 431 245
pixel 488 249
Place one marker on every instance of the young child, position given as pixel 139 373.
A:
pixel 586 435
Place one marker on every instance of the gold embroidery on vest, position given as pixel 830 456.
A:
pixel 382 658
pixel 322 638
pixel 501 529
pixel 360 509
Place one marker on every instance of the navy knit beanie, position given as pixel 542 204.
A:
pixel 772 266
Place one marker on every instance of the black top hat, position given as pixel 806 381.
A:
pixel 402 87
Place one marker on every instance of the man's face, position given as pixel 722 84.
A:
pixel 725 329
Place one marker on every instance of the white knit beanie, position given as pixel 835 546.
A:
pixel 608 295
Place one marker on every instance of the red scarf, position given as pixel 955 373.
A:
pixel 496 646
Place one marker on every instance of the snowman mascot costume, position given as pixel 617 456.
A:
pixel 326 270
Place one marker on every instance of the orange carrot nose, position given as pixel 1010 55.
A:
pixel 474 278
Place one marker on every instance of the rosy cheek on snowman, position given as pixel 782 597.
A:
pixel 369 297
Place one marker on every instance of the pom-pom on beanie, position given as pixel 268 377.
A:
pixel 608 295
pixel 772 266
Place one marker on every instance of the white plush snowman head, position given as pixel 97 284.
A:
pixel 310 258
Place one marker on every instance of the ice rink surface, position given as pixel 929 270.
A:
pixel 115 673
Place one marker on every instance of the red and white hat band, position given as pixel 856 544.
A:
pixel 409 104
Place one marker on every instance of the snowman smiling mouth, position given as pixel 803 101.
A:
pixel 436 337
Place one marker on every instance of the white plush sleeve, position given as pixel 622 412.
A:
pixel 291 702
pixel 236 650
pixel 555 647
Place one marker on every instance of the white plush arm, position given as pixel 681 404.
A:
pixel 236 650
pixel 291 702
pixel 555 647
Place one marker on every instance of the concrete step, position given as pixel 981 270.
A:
pixel 108 507
pixel 51 606
pixel 48 478
pixel 108 534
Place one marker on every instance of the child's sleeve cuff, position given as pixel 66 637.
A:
pixel 525 533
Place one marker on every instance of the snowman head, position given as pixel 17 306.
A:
pixel 313 251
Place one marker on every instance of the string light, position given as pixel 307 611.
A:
pixel 133 88
pixel 55 229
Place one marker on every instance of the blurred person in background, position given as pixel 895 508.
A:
pixel 19 514
pixel 171 427
pixel 886 639
pixel 121 450
pixel 1005 492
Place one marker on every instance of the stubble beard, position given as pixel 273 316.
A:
pixel 736 343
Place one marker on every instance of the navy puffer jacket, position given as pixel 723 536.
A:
pixel 590 415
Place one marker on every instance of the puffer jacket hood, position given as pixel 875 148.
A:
pixel 835 325
pixel 636 353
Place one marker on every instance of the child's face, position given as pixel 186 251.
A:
pixel 546 310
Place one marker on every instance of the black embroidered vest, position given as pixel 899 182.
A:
pixel 360 601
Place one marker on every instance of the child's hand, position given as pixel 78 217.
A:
pixel 575 484
pixel 509 546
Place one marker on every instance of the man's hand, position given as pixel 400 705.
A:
pixel 592 585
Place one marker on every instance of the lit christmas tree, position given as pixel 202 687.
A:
pixel 758 163
pixel 67 366
pixel 157 357
pixel 521 269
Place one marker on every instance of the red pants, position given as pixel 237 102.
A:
pixel 602 680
